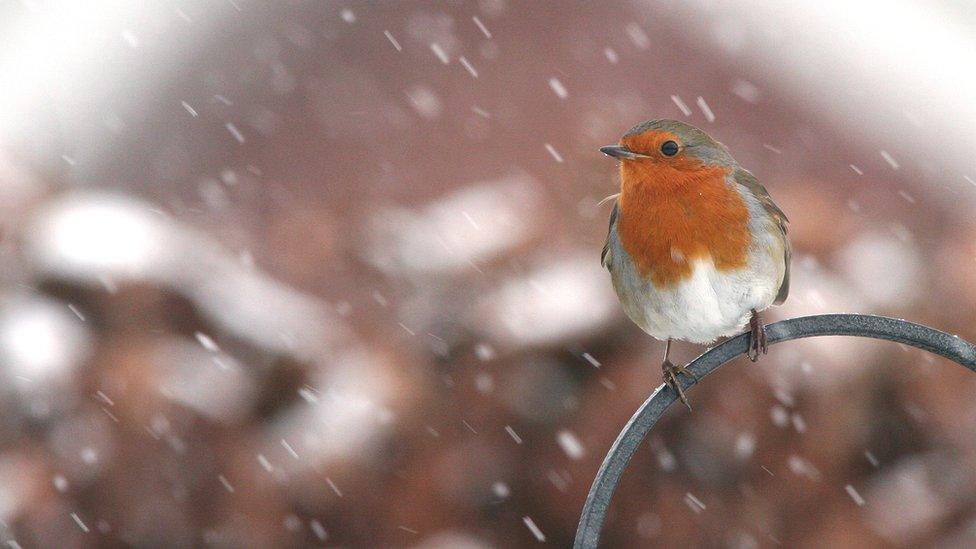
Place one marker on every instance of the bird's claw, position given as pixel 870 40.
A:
pixel 758 344
pixel 671 373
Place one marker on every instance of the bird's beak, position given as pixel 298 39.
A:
pixel 619 151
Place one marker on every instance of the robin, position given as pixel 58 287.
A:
pixel 696 248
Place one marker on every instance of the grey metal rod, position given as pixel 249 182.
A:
pixel 595 509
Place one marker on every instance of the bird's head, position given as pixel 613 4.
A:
pixel 667 150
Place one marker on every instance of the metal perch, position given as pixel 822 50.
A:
pixel 876 327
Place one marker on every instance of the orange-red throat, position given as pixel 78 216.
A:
pixel 676 210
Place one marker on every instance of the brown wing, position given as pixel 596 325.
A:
pixel 605 256
pixel 747 180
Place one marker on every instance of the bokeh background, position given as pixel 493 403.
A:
pixel 326 273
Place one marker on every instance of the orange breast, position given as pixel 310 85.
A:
pixel 670 217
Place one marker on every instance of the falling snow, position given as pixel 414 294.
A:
pixel 554 153
pixel 468 67
pixel 318 529
pixel 681 105
pixel 511 432
pixel 890 159
pixel 389 36
pixel 440 53
pixel 189 109
pixel 481 26
pixel 854 495
pixel 226 483
pixel 570 444
pixel 558 88
pixel 235 132
pixel 694 503
pixel 745 90
pixel 530 524
pixel 207 342
pixel 705 109
pixel 79 522
pixel 638 36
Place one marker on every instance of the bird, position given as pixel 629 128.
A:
pixel 696 248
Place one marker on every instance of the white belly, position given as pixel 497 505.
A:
pixel 708 305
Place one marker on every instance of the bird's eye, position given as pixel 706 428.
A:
pixel 669 148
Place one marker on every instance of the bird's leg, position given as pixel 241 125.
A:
pixel 671 373
pixel 757 337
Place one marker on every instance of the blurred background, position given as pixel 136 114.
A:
pixel 327 273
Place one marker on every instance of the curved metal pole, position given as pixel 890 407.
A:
pixel 876 327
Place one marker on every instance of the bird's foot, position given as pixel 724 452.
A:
pixel 671 373
pixel 758 345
